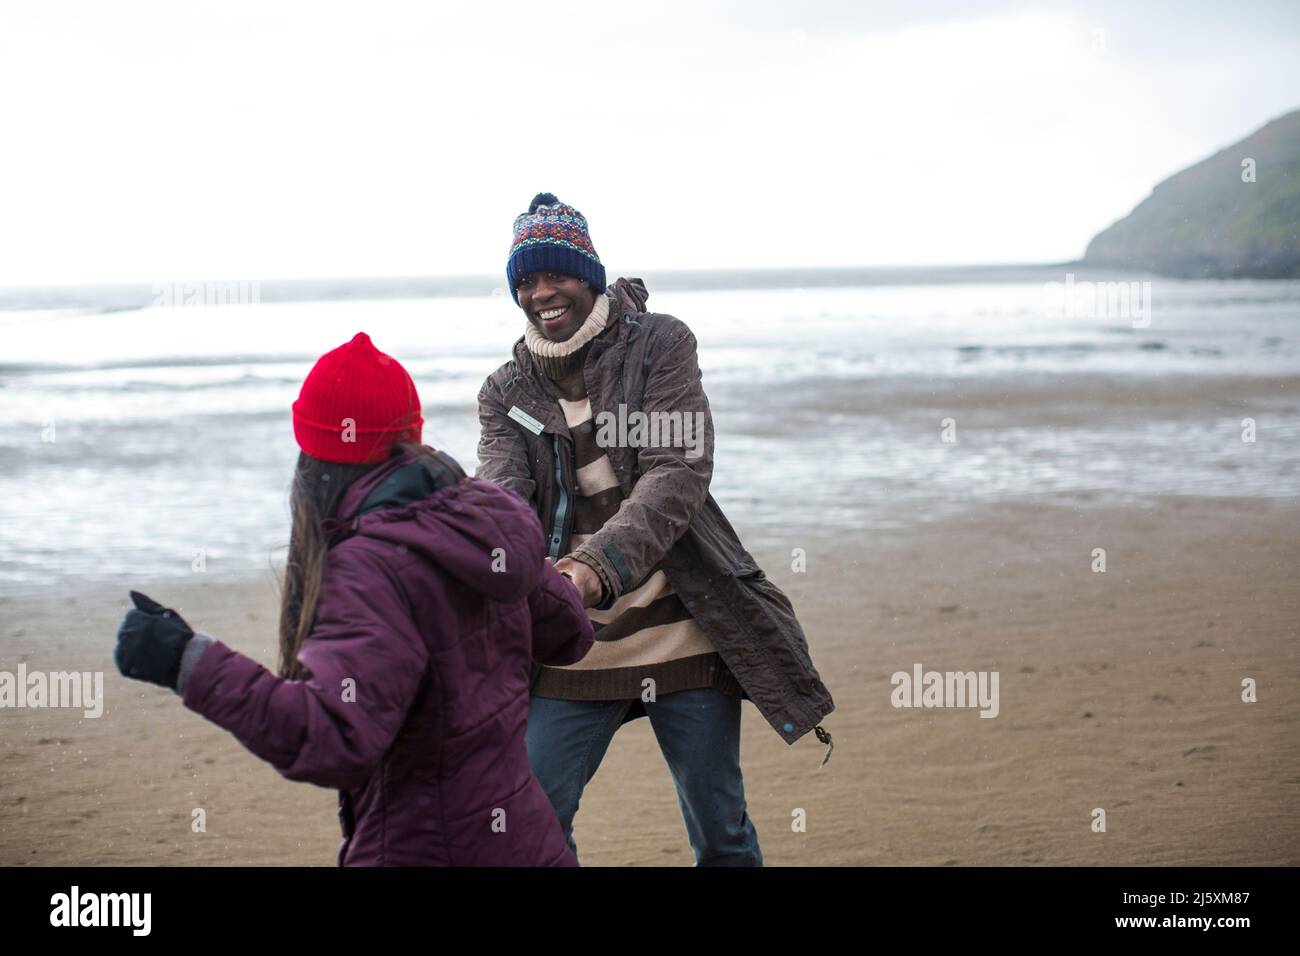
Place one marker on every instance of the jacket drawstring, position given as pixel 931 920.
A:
pixel 825 738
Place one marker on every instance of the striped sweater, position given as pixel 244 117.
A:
pixel 648 632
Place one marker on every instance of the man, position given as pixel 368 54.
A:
pixel 686 623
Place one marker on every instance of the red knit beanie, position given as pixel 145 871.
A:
pixel 355 404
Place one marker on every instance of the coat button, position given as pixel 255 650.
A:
pixel 789 728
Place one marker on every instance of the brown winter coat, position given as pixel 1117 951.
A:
pixel 648 362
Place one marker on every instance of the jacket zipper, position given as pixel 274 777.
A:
pixel 560 516
pixel 563 511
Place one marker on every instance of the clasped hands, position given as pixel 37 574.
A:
pixel 584 579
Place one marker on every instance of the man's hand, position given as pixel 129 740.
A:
pixel 584 579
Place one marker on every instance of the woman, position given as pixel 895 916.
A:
pixel 415 600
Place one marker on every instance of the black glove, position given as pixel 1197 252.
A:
pixel 150 642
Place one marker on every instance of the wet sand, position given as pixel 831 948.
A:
pixel 1118 690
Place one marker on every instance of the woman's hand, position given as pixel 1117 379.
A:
pixel 584 579
pixel 150 642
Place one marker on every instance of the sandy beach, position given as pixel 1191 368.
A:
pixel 996 309
pixel 1119 690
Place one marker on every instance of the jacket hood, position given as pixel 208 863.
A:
pixel 485 537
pixel 630 294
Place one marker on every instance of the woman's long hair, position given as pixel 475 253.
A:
pixel 318 489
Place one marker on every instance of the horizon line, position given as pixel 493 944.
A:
pixel 489 281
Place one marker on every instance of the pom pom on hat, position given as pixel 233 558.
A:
pixel 542 199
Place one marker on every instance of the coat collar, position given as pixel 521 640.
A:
pixel 401 480
pixel 360 489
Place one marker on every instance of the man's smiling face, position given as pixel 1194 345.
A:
pixel 555 304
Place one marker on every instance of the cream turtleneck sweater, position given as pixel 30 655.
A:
pixel 558 359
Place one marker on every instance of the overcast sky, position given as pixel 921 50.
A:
pixel 151 141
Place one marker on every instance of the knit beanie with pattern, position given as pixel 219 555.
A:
pixel 553 237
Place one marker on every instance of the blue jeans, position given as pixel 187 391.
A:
pixel 699 735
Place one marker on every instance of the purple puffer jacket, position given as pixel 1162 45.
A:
pixel 416 694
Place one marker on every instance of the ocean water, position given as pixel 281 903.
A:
pixel 147 441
